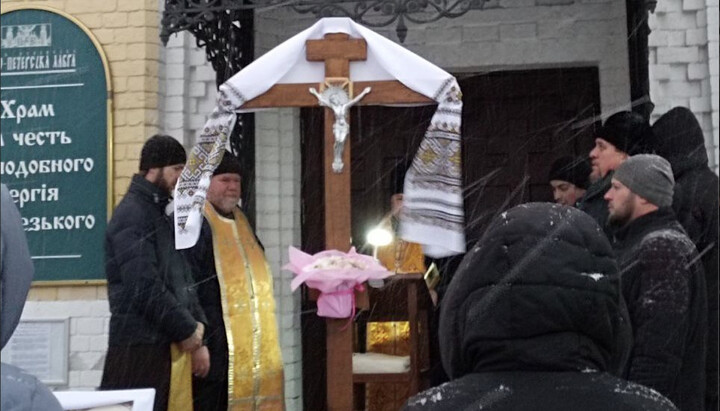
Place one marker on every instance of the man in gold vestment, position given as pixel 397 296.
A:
pixel 400 257
pixel 236 291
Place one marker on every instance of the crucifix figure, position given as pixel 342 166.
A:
pixel 336 98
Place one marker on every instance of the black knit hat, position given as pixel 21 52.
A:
pixel 571 169
pixel 161 151
pixel 629 132
pixel 228 164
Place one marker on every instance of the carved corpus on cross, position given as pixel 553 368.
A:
pixel 336 98
pixel 337 50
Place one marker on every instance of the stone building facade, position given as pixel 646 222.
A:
pixel 172 89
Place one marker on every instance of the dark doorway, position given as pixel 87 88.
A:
pixel 515 123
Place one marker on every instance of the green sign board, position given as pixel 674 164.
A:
pixel 54 140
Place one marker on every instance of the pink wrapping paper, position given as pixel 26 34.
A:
pixel 336 275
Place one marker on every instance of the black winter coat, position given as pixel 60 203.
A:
pixel 680 140
pixel 533 320
pixel 150 286
pixel 202 261
pixel 595 205
pixel 664 287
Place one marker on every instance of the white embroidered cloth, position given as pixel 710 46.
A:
pixel 433 203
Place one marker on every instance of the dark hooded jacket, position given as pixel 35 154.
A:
pixel 533 319
pixel 20 391
pixel 664 288
pixel 679 138
pixel 150 286
pixel 595 205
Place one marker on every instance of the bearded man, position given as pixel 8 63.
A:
pixel 623 134
pixel 155 314
pixel 236 292
pixel 662 281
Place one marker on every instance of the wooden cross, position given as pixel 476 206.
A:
pixel 337 50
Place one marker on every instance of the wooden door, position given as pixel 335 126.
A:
pixel 515 124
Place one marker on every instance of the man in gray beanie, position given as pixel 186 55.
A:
pixel 662 280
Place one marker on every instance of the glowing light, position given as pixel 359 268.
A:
pixel 379 237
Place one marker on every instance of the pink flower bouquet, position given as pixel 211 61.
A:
pixel 336 275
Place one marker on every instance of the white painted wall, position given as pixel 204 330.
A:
pixel 684 63
pixel 187 88
pixel 517 34
pixel 277 176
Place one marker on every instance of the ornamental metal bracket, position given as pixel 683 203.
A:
pixel 190 14
pixel 383 13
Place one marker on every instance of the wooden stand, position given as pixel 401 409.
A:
pixel 404 297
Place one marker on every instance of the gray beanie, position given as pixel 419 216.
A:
pixel 648 176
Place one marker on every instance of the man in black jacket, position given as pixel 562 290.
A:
pixel 679 139
pixel 533 320
pixel 623 134
pixel 663 282
pixel 152 301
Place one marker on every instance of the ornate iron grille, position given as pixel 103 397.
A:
pixel 225 31
pixel 188 14
pixel 382 13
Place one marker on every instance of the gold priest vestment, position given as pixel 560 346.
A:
pixel 255 367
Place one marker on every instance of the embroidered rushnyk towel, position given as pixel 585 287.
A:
pixel 433 201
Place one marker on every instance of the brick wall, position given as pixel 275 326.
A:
pixel 277 171
pixel 128 33
pixel 89 314
pixel 187 88
pixel 713 28
pixel 684 63
pixel 277 162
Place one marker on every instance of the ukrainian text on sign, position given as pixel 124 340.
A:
pixel 54 140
